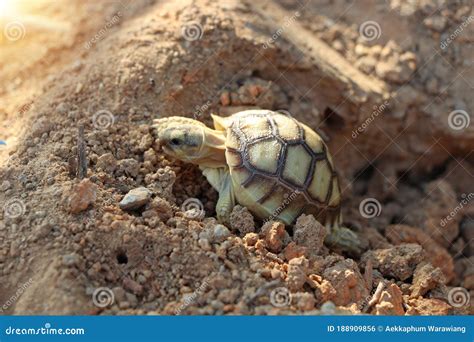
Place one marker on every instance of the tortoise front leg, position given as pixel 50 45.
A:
pixel 221 181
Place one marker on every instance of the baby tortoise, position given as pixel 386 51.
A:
pixel 266 161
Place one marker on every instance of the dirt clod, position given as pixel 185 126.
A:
pixel 242 220
pixel 309 233
pixel 348 282
pixel 426 278
pixel 398 262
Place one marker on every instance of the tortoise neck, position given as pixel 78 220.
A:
pixel 212 149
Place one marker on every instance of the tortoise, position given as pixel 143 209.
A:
pixel 267 161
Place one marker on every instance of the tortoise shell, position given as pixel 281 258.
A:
pixel 280 168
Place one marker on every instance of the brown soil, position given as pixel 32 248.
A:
pixel 382 105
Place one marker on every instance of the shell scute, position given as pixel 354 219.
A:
pixel 284 169
pixel 297 165
pixel 321 181
pixel 264 155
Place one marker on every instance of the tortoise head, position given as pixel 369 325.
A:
pixel 183 142
pixel 190 141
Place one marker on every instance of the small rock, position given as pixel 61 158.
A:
pixel 324 291
pixel 426 278
pixel 309 233
pixel 107 162
pixel 435 22
pixel 242 220
pixel 435 253
pixel 296 277
pixel 431 307
pixel 304 301
pixel 392 71
pixel 328 308
pixel 71 259
pixel 294 251
pixel 129 166
pixel 348 282
pixel 366 64
pixel 390 302
pixel 361 50
pixel 5 185
pixel 135 199
pixel 204 244
pixel 131 298
pixel 61 108
pixel 275 235
pixel 132 286
pixel 150 155
pixel 398 262
pixel 119 294
pixel 220 233
pixel 162 208
pixel 81 196
pixel 250 239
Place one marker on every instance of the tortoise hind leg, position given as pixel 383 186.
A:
pixel 221 181
pixel 344 240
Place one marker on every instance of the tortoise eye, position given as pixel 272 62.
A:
pixel 175 142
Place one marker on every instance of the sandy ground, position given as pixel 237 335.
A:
pixel 388 84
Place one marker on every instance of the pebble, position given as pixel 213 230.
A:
pixel 204 244
pixel 5 185
pixel 275 236
pixel 82 196
pixel 220 233
pixel 107 162
pixel 71 259
pixel 435 23
pixel 129 166
pixel 250 239
pixel 135 199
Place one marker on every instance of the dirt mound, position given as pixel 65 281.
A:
pixel 137 234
